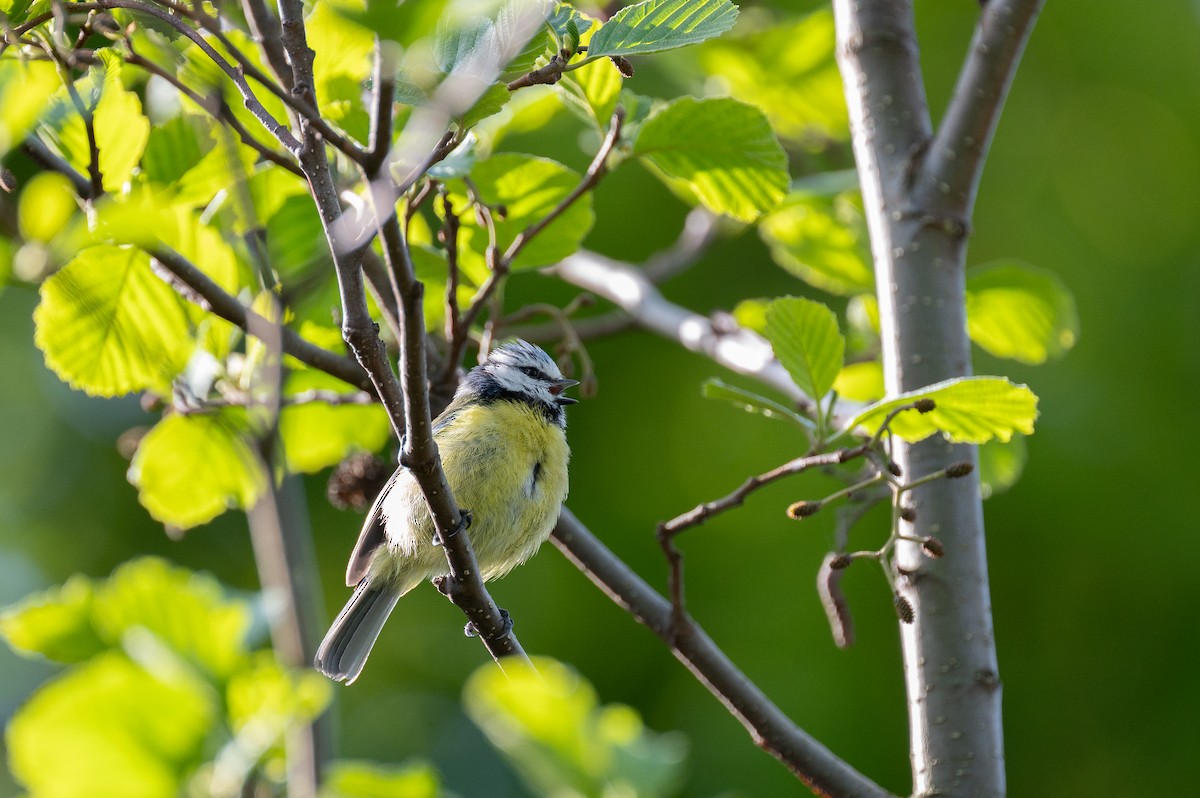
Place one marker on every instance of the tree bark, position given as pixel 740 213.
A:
pixel 918 192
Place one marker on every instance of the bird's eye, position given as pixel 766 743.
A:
pixel 531 372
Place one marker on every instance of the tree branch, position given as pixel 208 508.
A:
pixel 739 350
pixel 918 206
pixel 199 288
pixel 769 727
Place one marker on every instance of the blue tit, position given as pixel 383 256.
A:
pixel 503 447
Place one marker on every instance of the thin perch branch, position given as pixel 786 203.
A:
pixel 814 764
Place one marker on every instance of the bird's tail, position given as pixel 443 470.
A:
pixel 344 650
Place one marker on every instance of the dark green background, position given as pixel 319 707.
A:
pixel 1095 173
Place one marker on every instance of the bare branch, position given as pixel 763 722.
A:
pixel 768 726
pixel 264 28
pixel 949 176
pixel 200 289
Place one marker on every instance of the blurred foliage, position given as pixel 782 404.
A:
pixel 1093 178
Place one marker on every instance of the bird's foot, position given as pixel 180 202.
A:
pixel 465 517
pixel 470 631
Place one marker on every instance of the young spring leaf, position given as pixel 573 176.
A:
pixel 714 388
pixel 25 89
pixel 822 239
pixel 1020 312
pixel 657 25
pixel 56 624
pixel 109 326
pixel 190 469
pixel 316 435
pixel 968 410
pixel 1000 465
pixel 526 188
pixel 721 151
pixel 806 339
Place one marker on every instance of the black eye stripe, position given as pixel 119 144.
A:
pixel 530 371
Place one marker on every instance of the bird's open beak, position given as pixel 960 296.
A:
pixel 558 386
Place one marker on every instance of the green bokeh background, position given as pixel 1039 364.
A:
pixel 1095 173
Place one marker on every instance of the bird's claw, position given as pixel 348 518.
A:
pixel 471 631
pixel 465 517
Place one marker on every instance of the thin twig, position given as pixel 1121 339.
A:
pixel 814 764
pixel 198 288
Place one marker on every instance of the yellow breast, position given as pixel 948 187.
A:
pixel 508 466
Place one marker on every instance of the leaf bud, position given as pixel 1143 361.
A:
pixel 908 514
pixel 903 608
pixel 802 509
pixel 894 468
pixel 924 405
pixel 622 63
pixel 961 469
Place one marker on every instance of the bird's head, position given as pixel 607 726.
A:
pixel 520 371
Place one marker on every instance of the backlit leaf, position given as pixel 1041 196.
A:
pixel 806 339
pixel 316 435
pixel 108 325
pixel 190 469
pixel 722 151
pixel 822 240
pixel 1020 312
pixel 968 410
pixel 656 25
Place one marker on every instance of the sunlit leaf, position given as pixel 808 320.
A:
pixel 527 189
pixel 722 151
pixel 548 723
pixel 349 779
pixel 190 469
pixel 788 69
pixel 1000 465
pixel 172 149
pixel 806 339
pixel 272 700
pixel 316 435
pixel 108 325
pixel 494 97
pixel 656 25
pixel 822 240
pixel 751 402
pixel 56 624
pixel 968 410
pixel 1020 312
pixel 591 90
pixel 25 89
pixel 752 314
pixel 185 611
pixel 46 204
pixel 861 382
pixel 110 727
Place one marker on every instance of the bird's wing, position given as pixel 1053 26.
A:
pixel 371 536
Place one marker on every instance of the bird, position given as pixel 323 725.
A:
pixel 503 446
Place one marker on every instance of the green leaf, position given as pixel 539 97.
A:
pixel 494 98
pixel 714 388
pixel 403 21
pixel 25 89
pixel 861 382
pixel 527 188
pixel 805 337
pixel 968 410
pixel 172 149
pixel 190 469
pixel 752 314
pixel 592 90
pixel 120 127
pixel 1000 465
pixel 657 25
pixel 342 65
pixel 56 624
pixel 45 207
pixel 789 70
pixel 822 240
pixel 108 325
pixel 1020 312
pixel 110 728
pixel 721 150
pixel 266 700
pixel 349 779
pixel 185 611
pixel 549 724
pixel 316 435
